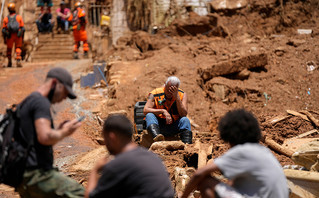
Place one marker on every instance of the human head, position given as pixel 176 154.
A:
pixel 239 127
pixel 60 76
pixel 77 4
pixel 12 7
pixel 62 5
pixel 171 81
pixel 45 9
pixel 117 132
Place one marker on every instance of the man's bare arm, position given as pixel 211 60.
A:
pixel 182 105
pixel 94 176
pixel 149 106
pixel 198 176
pixel 48 136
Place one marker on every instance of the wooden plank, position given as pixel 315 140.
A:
pixel 277 147
pixel 313 119
pixel 307 133
pixel 202 155
pixel 294 143
pixel 277 119
pixel 298 191
pixel 302 175
pixel 295 113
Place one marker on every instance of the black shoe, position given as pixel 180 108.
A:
pixel 186 136
pixel 9 64
pixel 155 131
pixel 76 55
pixel 86 54
pixel 19 63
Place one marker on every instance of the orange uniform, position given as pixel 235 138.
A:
pixel 13 38
pixel 78 22
pixel 169 105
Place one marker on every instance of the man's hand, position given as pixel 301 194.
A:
pixel 69 127
pixel 174 91
pixel 168 117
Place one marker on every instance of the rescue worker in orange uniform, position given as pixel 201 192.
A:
pixel 166 110
pixel 12 31
pixel 78 23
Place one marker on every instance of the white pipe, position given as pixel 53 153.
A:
pixel 3 1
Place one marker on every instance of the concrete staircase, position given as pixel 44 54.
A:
pixel 55 46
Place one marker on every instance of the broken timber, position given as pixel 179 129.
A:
pixel 233 66
pixel 295 113
pixel 277 147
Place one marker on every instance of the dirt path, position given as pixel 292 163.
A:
pixel 17 83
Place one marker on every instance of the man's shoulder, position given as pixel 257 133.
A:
pixel 156 91
pixel 37 97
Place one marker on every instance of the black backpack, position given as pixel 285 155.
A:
pixel 14 148
pixel 13 25
pixel 75 18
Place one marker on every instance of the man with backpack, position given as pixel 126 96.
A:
pixel 40 178
pixel 13 31
pixel 78 23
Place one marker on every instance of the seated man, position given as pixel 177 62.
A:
pixel 166 110
pixel 251 168
pixel 44 22
pixel 133 172
pixel 63 14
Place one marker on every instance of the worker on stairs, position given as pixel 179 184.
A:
pixel 13 32
pixel 78 23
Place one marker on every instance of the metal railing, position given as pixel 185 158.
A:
pixel 94 13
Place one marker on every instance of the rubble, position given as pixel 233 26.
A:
pixel 233 66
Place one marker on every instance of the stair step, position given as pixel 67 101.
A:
pixel 52 57
pixel 49 53
pixel 55 43
pixel 54 49
pixel 55 40
pixel 49 36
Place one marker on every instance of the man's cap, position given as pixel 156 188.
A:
pixel 64 77
pixel 62 3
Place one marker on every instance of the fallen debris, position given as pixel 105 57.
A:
pixel 228 4
pixel 277 147
pixel 168 145
pixel 233 66
pixel 295 113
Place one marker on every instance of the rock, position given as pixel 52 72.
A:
pixel 118 112
pixel 243 74
pixel 228 4
pixel 110 102
pixel 296 42
pixel 219 91
pixel 168 145
pixel 279 51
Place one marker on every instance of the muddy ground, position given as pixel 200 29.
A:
pixel 286 78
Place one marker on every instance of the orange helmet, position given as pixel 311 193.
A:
pixel 12 6
pixel 77 4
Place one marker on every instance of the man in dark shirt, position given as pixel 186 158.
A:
pixel 45 22
pixel 134 171
pixel 40 179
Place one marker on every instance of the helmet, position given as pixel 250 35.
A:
pixel 77 4
pixel 12 6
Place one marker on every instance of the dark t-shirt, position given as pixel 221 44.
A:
pixel 36 106
pixel 46 18
pixel 134 174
